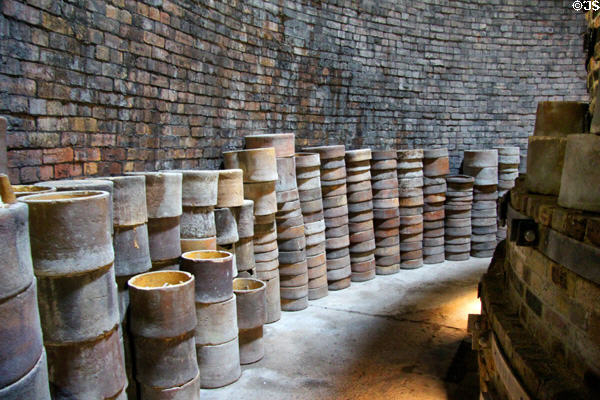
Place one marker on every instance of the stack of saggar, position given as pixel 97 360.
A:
pixel 335 210
pixel 162 325
pixel 508 172
pixel 457 229
pixel 293 268
pixel 483 166
pixel 23 368
pixel 308 178
pixel 132 253
pixel 73 257
pixel 386 212
pixel 251 316
pixel 360 197
pixel 260 176
pixel 244 249
pixel 410 192
pixel 216 333
pixel 436 166
pixel 163 202
pixel 199 198
pixel 230 195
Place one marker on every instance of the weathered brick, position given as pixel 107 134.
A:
pixel 62 171
pixel 349 77
pixel 60 155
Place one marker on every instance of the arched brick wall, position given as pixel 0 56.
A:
pixel 97 87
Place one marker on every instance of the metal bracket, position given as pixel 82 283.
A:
pixel 524 232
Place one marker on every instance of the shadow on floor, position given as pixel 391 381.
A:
pixel 462 378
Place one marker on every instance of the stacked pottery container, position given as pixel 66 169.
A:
pixel 244 249
pixel 230 195
pixel 132 252
pixel 216 333
pixel 23 368
pixel 308 175
pixel 335 211
pixel 508 172
pixel 457 229
pixel 163 320
pixel 163 202
pixel 386 211
pixel 362 235
pixel 435 168
pixel 410 193
pixel 73 257
pixel 199 198
pixel 482 165
pixel 291 242
pixel 260 175
pixel 251 317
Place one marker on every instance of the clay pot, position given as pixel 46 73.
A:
pixel 199 187
pixel 84 184
pixel 198 222
pixel 188 391
pixel 26 190
pixel 481 158
pixel 132 252
pixel 129 200
pixel 32 386
pixel 230 190
pixel 252 315
pixel 78 308
pixel 16 268
pixel 213 272
pixel 258 165
pixel 162 304
pixel 163 193
pixel 90 370
pixel 217 322
pixel 227 230
pixel 164 238
pixel 283 143
pixel 307 160
pixel 209 243
pixel 435 162
pixel 264 196
pixel 273 299
pixel 328 152
pixel 20 336
pixel 244 218
pixel 219 365
pixel 70 232
pixel 286 172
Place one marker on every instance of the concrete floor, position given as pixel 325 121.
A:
pixel 394 337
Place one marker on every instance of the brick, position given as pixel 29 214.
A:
pixel 56 24
pixel 21 12
pixel 592 231
pixel 60 155
pixel 62 171
pixel 23 158
pixel 88 154
pixel 534 303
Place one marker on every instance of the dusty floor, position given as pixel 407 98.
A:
pixel 395 337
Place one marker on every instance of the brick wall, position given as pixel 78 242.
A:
pixel 95 87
